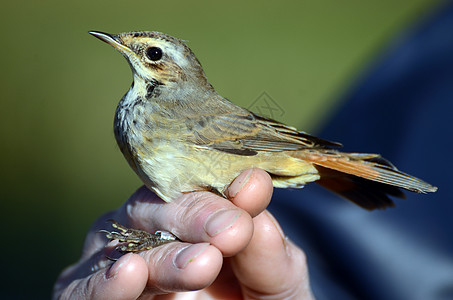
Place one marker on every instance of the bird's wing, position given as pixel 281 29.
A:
pixel 245 133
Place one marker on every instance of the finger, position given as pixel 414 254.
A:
pixel 271 265
pixel 170 268
pixel 125 279
pixel 194 217
pixel 251 191
pixel 177 267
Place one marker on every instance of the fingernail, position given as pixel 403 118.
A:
pixel 237 184
pixel 188 254
pixel 115 268
pixel 220 221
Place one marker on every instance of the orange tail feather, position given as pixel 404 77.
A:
pixel 366 179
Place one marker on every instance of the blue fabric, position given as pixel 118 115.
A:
pixel 403 109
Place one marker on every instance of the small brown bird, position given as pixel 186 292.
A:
pixel 180 136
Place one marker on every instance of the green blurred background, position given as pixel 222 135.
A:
pixel 61 167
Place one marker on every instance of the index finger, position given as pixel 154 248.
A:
pixel 194 217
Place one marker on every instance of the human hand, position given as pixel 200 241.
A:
pixel 232 250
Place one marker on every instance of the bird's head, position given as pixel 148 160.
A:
pixel 157 58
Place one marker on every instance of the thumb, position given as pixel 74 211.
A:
pixel 271 266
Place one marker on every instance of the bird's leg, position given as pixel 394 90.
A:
pixel 136 240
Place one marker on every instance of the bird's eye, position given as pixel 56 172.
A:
pixel 154 53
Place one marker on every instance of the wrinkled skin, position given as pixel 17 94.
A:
pixel 233 249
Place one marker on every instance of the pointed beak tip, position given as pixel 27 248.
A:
pixel 101 35
pixel 107 38
pixel 111 39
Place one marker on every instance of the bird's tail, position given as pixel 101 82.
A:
pixel 365 179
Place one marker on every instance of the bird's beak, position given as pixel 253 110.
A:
pixel 112 40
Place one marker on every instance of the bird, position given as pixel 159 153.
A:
pixel 179 135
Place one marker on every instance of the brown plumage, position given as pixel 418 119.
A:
pixel 180 136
